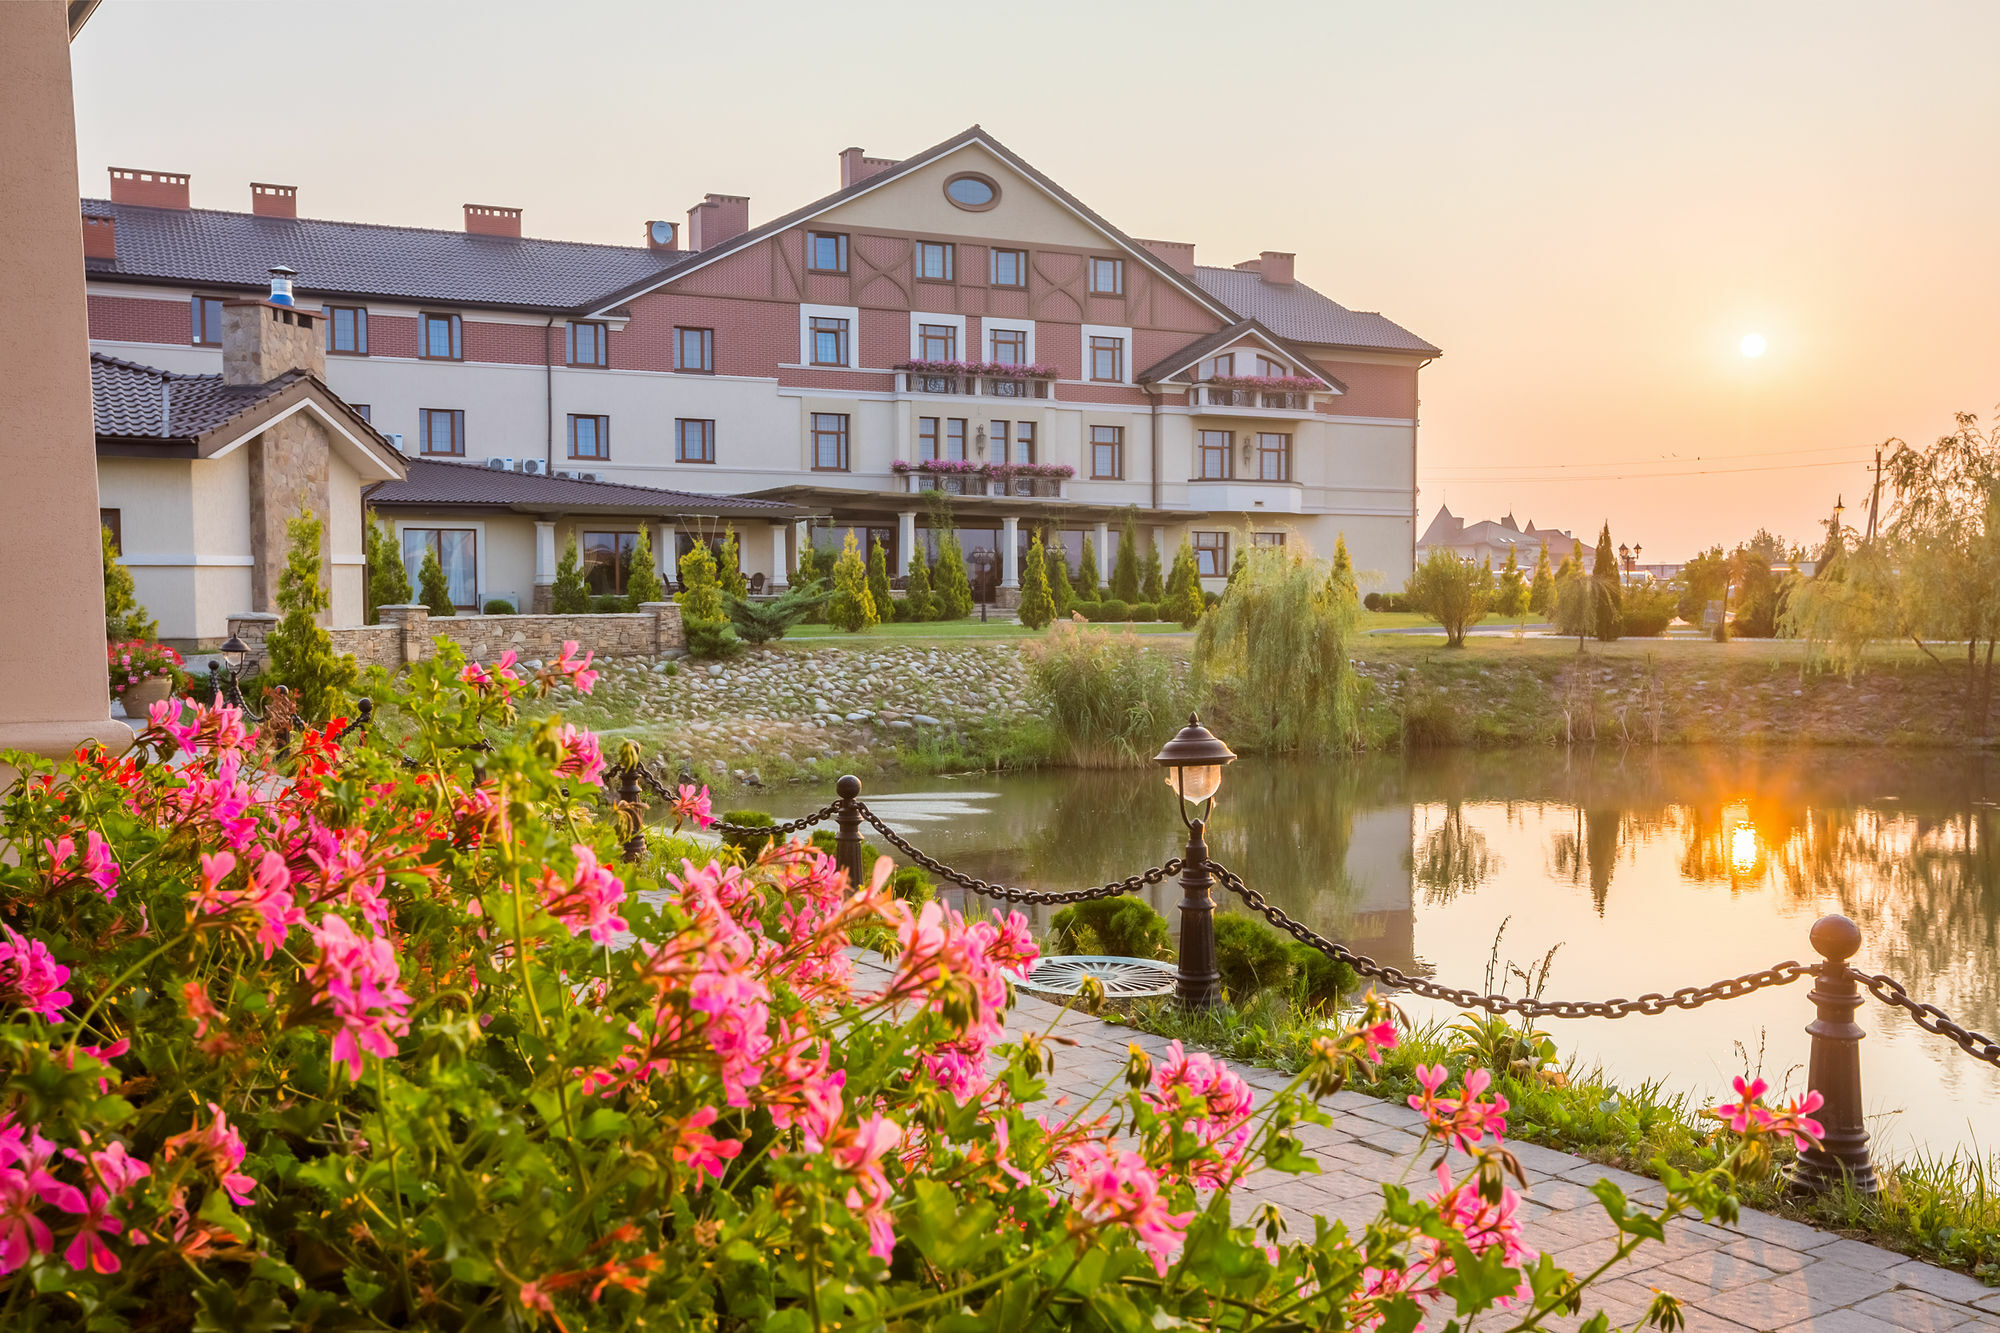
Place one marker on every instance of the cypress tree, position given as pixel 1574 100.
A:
pixel 642 581
pixel 1125 573
pixel 1184 600
pixel 1086 574
pixel 124 618
pixel 1149 578
pixel 878 581
pixel 1038 608
pixel 433 591
pixel 729 565
pixel 853 606
pixel 703 619
pixel 302 655
pixel 1056 560
pixel 917 598
pixel 1511 599
pixel 1239 564
pixel 570 595
pixel 1542 587
pixel 1605 588
pixel 388 577
pixel 949 583
pixel 1340 579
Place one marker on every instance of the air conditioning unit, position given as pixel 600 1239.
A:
pixel 565 474
pixel 531 467
pixel 497 464
pixel 395 437
pixel 588 476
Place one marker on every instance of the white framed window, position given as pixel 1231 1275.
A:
pixel 821 330
pixel 1107 353
pixel 1014 343
pixel 942 329
pixel 1272 369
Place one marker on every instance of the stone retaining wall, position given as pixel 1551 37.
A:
pixel 409 633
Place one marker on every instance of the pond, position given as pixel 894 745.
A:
pixel 1642 871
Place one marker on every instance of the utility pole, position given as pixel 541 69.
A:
pixel 1875 495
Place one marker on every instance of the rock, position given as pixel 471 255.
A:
pixel 923 719
pixel 899 724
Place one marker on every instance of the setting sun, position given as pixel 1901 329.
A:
pixel 1752 344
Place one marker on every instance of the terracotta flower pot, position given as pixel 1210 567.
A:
pixel 138 698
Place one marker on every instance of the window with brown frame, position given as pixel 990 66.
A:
pixel 1218 367
pixel 934 261
pixel 587 345
pixel 457 551
pixel 1213 455
pixel 694 441
pixel 1271 539
pixel 694 350
pixel 826 252
pixel 441 430
pixel 1273 369
pixel 1107 360
pixel 364 411
pixel 941 438
pixel 1107 277
pixel 1274 456
pixel 346 330
pixel 440 338
pixel 829 441
pixel 1024 442
pixel 937 342
pixel 589 436
pixel 1010 346
pixel 1010 441
pixel 607 560
pixel 829 341
pixel 1211 554
pixel 1009 268
pixel 207 321
pixel 113 519
pixel 1107 453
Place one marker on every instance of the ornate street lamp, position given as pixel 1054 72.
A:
pixel 1193 761
pixel 228 688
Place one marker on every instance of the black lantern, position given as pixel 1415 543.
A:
pixel 233 651
pixel 1193 760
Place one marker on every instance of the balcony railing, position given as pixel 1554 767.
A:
pixel 1269 400
pixel 1050 488
pixel 963 385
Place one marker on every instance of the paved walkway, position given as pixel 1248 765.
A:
pixel 1763 1273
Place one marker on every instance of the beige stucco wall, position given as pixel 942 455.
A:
pixel 917 203
pixel 345 561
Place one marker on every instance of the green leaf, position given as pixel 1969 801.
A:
pixel 215 1211
pixel 951 1237
pixel 273 1269
pixel 605 1123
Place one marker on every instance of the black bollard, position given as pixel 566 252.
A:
pixel 1835 1068
pixel 847 838
pixel 1196 982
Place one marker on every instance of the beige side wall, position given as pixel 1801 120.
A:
pixel 917 202
pixel 346 564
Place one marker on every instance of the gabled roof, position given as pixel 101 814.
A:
pixel 1296 311
pixel 437 483
pixel 144 412
pixel 1202 348
pixel 209 248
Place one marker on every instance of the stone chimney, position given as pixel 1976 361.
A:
pixel 1177 255
pixel 149 189
pixel 261 340
pixel 274 201
pixel 663 235
pixel 100 236
pixel 1276 266
pixel 718 218
pixel 855 166
pixel 492 220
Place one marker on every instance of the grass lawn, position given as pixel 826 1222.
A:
pixel 933 631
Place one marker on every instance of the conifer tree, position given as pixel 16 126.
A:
pixel 1511 598
pixel 642 580
pixel 1542 588
pixel 1086 573
pixel 703 619
pixel 124 618
pixel 1149 577
pixel 949 584
pixel 302 655
pixel 729 565
pixel 1056 559
pixel 1125 573
pixel 570 595
pixel 1340 579
pixel 1239 564
pixel 808 562
pixel 1605 588
pixel 917 598
pixel 853 606
pixel 1184 600
pixel 432 589
pixel 1037 608
pixel 878 581
pixel 388 577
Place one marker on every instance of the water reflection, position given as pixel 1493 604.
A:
pixel 1656 870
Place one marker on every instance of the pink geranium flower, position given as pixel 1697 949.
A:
pixel 588 900
pixel 692 806
pixel 31 977
pixel 219 1148
pixel 355 979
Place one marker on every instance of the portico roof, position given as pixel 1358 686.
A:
pixel 435 483
pixel 840 499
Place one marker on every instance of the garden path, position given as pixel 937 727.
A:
pixel 1764 1273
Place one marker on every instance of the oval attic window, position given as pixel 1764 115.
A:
pixel 972 192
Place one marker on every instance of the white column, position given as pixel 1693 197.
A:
pixel 1010 557
pixel 1101 543
pixel 906 541
pixel 670 554
pixel 779 577
pixel 545 554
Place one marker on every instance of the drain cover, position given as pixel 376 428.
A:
pixel 1122 978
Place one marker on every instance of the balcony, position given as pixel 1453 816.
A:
pixel 1237 495
pixel 1255 400
pixel 974 380
pixel 1046 482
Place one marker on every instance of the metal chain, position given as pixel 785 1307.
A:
pixel 1688 997
pixel 1130 884
pixel 660 789
pixel 1928 1016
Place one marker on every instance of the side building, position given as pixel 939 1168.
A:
pixel 953 329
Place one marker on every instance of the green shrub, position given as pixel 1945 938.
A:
pixel 1250 956
pixel 1430 721
pixel 642 579
pixel 1145 612
pixel 1056 565
pixel 1210 600
pixel 1107 696
pixel 918 603
pixel 1649 609
pixel 570 595
pixel 729 565
pixel 124 618
pixel 497 606
pixel 432 590
pixel 749 843
pixel 1183 595
pixel 1277 648
pixel 1088 610
pixel 912 885
pixel 1318 981
pixel 878 581
pixel 608 604
pixel 949 583
pixel 1373 601
pixel 853 606
pixel 302 656
pixel 711 640
pixel 388 579
pixel 1123 927
pixel 1086 574
pixel 1113 611
pixel 1125 570
pixel 703 620
pixel 762 622
pixel 1038 606
pixel 1150 588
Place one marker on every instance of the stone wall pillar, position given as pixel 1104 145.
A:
pixel 253 628
pixel 412 619
pixel 906 541
pixel 668 635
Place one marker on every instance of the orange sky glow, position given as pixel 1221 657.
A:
pixel 1587 206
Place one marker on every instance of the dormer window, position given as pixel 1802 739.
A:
pixel 1218 367
pixel 1269 369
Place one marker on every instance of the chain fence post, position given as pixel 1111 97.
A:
pixel 847 818
pixel 1835 1068
pixel 629 803
pixel 1197 985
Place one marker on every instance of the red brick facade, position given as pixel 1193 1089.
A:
pixel 135 320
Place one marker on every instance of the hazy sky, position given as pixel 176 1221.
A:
pixel 1588 206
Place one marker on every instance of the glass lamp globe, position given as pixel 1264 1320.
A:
pixel 1197 783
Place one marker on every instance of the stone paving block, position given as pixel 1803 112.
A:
pixel 1637 1188
pixel 1713 1271
pixel 1383 1113
pixel 1537 1159
pixel 1791 1297
pixel 1857 1254
pixel 1990 1304
pixel 1907 1308
pixel 1765 1226
pixel 1565 1194
pixel 1935 1281
pixel 1840 1321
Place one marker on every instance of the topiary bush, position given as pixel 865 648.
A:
pixel 1318 982
pixel 432 590
pixel 1112 611
pixel 608 604
pixel 497 606
pixel 1249 955
pixel 571 595
pixel 1126 927
pixel 1372 602
pixel 302 656
pixel 746 842
pixel 1145 612
pixel 1088 610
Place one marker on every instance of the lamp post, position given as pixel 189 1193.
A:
pixel 1193 762
pixel 227 688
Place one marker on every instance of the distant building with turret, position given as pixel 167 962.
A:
pixel 1490 539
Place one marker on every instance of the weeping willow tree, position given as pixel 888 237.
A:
pixel 1274 654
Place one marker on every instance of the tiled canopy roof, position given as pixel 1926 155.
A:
pixel 436 482
pixel 1296 311
pixel 236 250
pixel 135 402
pixel 1202 348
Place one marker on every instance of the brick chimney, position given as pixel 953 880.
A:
pixel 718 218
pixel 1177 255
pixel 149 189
pixel 100 236
pixel 663 235
pixel 274 201
pixel 856 166
pixel 1276 266
pixel 492 220
pixel 261 340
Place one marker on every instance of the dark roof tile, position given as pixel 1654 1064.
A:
pixel 433 481
pixel 1297 312
pixel 136 402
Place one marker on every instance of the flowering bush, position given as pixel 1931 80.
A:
pixel 1005 370
pixel 136 660
pixel 965 467
pixel 1276 382
pixel 380 1034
